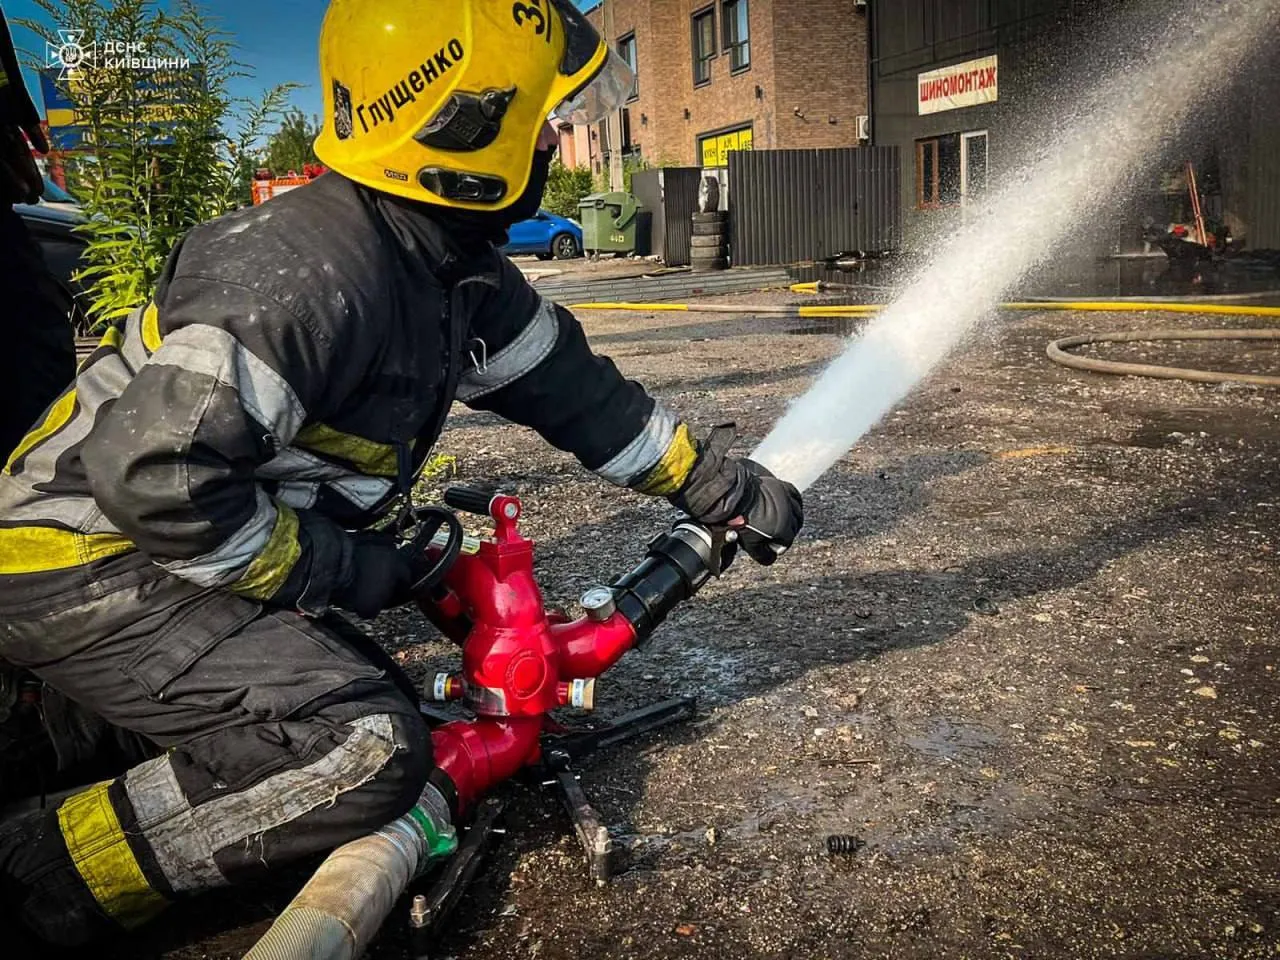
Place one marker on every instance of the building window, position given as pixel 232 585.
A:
pixel 704 45
pixel 714 148
pixel 629 146
pixel 938 172
pixel 736 20
pixel 973 165
pixel 627 51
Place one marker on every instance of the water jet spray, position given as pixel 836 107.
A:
pixel 1100 150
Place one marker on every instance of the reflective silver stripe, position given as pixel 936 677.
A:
pixel 265 395
pixel 365 492
pixel 294 464
pixel 294 467
pixel 165 821
pixel 184 839
pixel 300 495
pixel 104 381
pixel 225 564
pixel 20 502
pixel 135 354
pixel 643 453
pixel 526 351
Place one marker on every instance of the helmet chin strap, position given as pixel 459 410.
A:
pixel 530 201
pixel 475 230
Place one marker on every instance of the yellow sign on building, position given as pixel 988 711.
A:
pixel 715 149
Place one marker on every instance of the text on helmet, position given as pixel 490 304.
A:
pixel 383 109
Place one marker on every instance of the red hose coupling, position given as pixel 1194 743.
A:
pixel 477 755
pixel 577 693
pixel 447 686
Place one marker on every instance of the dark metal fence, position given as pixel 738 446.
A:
pixel 670 194
pixel 791 206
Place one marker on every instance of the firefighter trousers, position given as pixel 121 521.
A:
pixel 278 737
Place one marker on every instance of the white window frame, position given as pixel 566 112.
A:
pixel 965 199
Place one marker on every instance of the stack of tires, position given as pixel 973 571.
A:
pixel 710 242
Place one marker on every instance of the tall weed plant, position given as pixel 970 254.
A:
pixel 164 149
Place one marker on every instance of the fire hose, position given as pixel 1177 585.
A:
pixel 1058 354
pixel 1057 350
pixel 870 309
pixel 519 662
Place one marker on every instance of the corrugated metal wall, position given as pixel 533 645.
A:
pixel 671 194
pixel 680 196
pixel 1262 186
pixel 648 190
pixel 788 206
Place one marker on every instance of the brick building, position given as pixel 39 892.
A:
pixel 719 75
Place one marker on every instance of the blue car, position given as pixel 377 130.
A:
pixel 546 235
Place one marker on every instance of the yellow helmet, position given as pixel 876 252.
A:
pixel 444 101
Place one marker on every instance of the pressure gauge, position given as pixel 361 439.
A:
pixel 599 604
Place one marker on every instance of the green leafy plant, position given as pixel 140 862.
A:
pixel 566 186
pixel 157 157
pixel 292 145
pixel 440 465
pixel 631 165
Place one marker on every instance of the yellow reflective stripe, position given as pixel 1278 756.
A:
pixel 674 467
pixel 370 458
pixel 40 549
pixel 113 338
pixel 54 421
pixel 271 568
pixel 98 847
pixel 151 338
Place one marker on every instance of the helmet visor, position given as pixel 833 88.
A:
pixel 582 40
pixel 603 96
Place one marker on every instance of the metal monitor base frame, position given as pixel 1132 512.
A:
pixel 431 910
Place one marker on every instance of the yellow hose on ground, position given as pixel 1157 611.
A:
pixel 1058 349
pixel 863 310
pixel 1124 306
pixel 770 309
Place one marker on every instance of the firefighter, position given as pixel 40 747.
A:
pixel 37 363
pixel 178 534
pixel 39 357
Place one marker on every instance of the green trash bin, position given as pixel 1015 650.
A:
pixel 609 222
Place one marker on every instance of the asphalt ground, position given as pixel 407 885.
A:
pixel 1025 657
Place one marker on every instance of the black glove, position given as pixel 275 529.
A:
pixel 377 575
pixel 771 521
pixel 739 494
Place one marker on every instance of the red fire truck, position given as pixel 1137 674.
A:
pixel 267 185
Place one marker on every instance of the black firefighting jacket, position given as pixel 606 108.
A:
pixel 287 380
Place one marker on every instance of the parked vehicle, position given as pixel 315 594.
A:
pixel 52 227
pixel 54 196
pixel 547 235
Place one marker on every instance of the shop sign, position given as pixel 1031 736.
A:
pixel 959 85
pixel 715 149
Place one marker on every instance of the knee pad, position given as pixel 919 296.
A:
pixel 400 783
